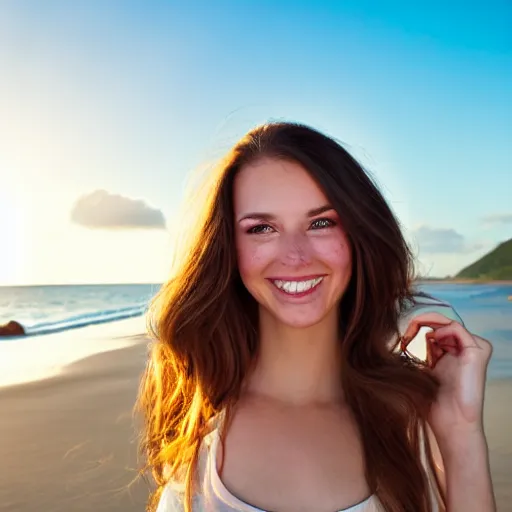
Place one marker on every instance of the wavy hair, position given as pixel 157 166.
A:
pixel 204 325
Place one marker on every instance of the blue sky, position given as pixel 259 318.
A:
pixel 132 97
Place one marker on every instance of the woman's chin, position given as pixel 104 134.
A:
pixel 297 320
pixel 298 316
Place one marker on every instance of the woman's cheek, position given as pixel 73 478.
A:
pixel 333 250
pixel 252 257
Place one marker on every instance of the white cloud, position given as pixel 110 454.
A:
pixel 498 218
pixel 103 210
pixel 442 241
pixel 443 251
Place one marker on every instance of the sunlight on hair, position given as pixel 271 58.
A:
pixel 184 228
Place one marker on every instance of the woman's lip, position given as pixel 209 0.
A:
pixel 296 295
pixel 295 278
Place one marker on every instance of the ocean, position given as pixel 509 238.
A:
pixel 49 309
pixel 485 309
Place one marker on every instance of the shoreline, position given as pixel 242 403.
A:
pixel 51 354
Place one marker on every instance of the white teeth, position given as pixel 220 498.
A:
pixel 293 287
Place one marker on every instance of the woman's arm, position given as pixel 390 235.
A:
pixel 458 360
pixel 462 469
pixel 466 472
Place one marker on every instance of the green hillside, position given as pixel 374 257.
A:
pixel 495 265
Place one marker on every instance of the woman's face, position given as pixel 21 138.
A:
pixel 293 255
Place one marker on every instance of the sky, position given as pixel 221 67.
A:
pixel 110 110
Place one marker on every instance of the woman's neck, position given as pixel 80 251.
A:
pixel 298 366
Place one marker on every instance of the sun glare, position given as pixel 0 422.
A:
pixel 13 232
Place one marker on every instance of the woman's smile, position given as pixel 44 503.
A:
pixel 295 288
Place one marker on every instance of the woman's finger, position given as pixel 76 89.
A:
pixel 434 353
pixel 454 334
pixel 433 320
pixel 436 349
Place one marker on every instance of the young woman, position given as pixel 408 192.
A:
pixel 278 379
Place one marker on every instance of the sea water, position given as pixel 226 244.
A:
pixel 49 309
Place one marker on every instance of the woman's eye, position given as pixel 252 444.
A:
pixel 260 229
pixel 322 223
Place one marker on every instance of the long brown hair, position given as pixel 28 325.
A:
pixel 205 328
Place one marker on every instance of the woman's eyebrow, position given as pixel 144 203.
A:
pixel 270 217
pixel 322 209
pixel 257 216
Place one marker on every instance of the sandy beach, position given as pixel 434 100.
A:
pixel 67 442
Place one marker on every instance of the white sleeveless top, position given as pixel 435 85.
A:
pixel 214 497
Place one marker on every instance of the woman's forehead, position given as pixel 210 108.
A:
pixel 276 185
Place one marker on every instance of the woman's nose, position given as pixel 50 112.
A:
pixel 295 249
